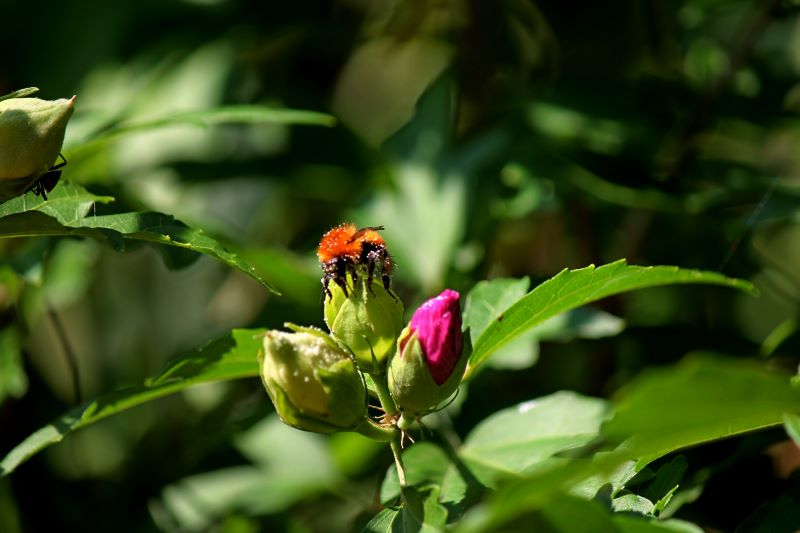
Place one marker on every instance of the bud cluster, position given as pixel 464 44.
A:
pixel 317 380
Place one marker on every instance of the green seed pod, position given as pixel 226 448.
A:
pixel 366 322
pixel 31 135
pixel 313 384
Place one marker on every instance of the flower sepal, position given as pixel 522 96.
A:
pixel 366 322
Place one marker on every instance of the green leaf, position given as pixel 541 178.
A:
pixel 233 356
pixel 561 513
pixel 488 299
pixel 513 441
pixel 634 524
pixel 65 213
pixel 581 323
pixel 20 93
pixel 68 203
pixel 13 381
pixel 632 503
pixel 792 424
pixel 420 513
pixel 666 479
pixel 573 288
pixel 424 464
pixel 383 522
pixel 234 114
pixel 290 466
pixel 701 399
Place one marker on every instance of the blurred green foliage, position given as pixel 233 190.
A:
pixel 492 139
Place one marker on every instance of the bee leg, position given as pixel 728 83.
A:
pixel 370 274
pixel 387 284
pixel 341 276
pixel 354 276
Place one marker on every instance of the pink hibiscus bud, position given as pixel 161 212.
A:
pixel 428 365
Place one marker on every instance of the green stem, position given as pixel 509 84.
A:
pixel 384 396
pixel 370 429
pixel 390 407
pixel 398 461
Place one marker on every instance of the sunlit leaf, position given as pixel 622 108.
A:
pixel 233 356
pixel 515 440
pixel 573 288
pixel 700 400
pixel 383 522
pixel 66 213
pixel 489 299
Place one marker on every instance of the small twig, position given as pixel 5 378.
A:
pixel 751 220
pixel 69 354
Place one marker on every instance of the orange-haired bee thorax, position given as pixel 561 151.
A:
pixel 344 248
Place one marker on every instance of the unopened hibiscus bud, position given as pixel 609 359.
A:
pixel 367 321
pixel 31 135
pixel 313 384
pixel 429 365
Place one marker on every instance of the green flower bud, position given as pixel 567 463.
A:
pixel 429 363
pixel 366 322
pixel 31 135
pixel 313 384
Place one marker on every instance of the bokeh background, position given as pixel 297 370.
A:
pixel 492 139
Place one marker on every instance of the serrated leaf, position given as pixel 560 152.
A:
pixel 66 213
pixel 574 288
pixel 420 512
pixel 68 203
pixel 700 400
pixel 513 441
pixel 488 299
pixel 233 356
pixel 424 464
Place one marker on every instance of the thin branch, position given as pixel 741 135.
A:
pixel 69 354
